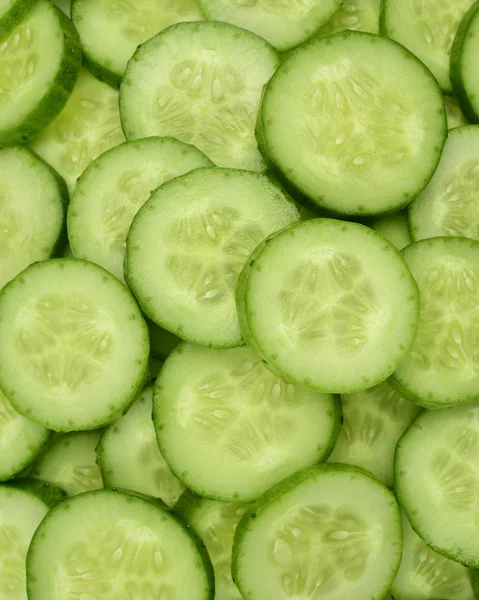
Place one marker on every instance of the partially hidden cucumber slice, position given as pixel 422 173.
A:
pixel 231 429
pixel 112 189
pixel 33 204
pixel 110 31
pixel 330 532
pixel 354 122
pixel 123 547
pixel 70 463
pixel 436 480
pixel 357 15
pixel 188 243
pixel 373 422
pixel 328 305
pixel 39 64
pixel 449 205
pixel 200 83
pixel 74 346
pixel 129 456
pixel 394 228
pixel 464 55
pixel 455 117
pixel 162 342
pixel 88 126
pixel 443 366
pixel 424 574
pixel 12 12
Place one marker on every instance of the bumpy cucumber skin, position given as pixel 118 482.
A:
pixel 281 488
pixel 470 111
pixel 17 13
pixel 49 494
pixel 53 102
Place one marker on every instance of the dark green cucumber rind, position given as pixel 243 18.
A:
pixel 474 577
pixel 470 111
pixel 156 501
pixel 382 19
pixel 14 16
pixel 277 491
pixel 187 503
pixel 49 494
pixel 411 512
pixel 55 99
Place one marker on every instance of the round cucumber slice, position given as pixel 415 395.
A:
pixel 436 480
pixel 443 366
pixel 200 83
pixel 354 122
pixel 329 532
pixel 74 349
pixel 357 15
pixel 114 187
pixel 118 546
pixel 39 64
pixel 33 203
pixel 12 12
pixel 231 429
pixel 188 243
pixel 449 205
pixel 328 305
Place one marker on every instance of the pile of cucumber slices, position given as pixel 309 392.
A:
pixel 239 300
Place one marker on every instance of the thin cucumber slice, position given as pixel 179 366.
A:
pixel 394 228
pixel 88 126
pixel 129 456
pixel 188 244
pixel 443 366
pixel 424 574
pixel 464 55
pixel 162 342
pixel 200 83
pixel 20 440
pixel 283 23
pixel 12 12
pixel 329 533
pixel 231 429
pixel 22 507
pixel 427 28
pixel 328 305
pixel 39 64
pixel 74 349
pixel 114 187
pixel 449 205
pixel 373 422
pixel 123 546
pixel 436 480
pixel 70 463
pixel 111 31
pixel 455 117
pixel 357 15
pixel 216 523
pixel 354 122
pixel 33 204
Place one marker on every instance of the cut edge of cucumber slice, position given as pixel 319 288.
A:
pixel 12 17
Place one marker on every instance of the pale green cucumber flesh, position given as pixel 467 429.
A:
pixel 357 15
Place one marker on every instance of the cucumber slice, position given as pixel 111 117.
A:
pixel 329 533
pixel 12 12
pixel 436 480
pixel 216 523
pixel 129 456
pixel 354 122
pixel 74 349
pixel 424 574
pixel 88 126
pixel 449 205
pixel 200 83
pixel 162 342
pixel 328 305
pixel 20 440
pixel 39 64
pixel 443 366
pixel 373 422
pixel 463 63
pixel 70 463
pixel 232 429
pixel 188 244
pixel 33 204
pixel 63 5
pixel 427 28
pixel 23 506
pixel 112 189
pixel 283 23
pixel 357 15
pixel 118 546
pixel 395 229
pixel 111 31
pixel 455 118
